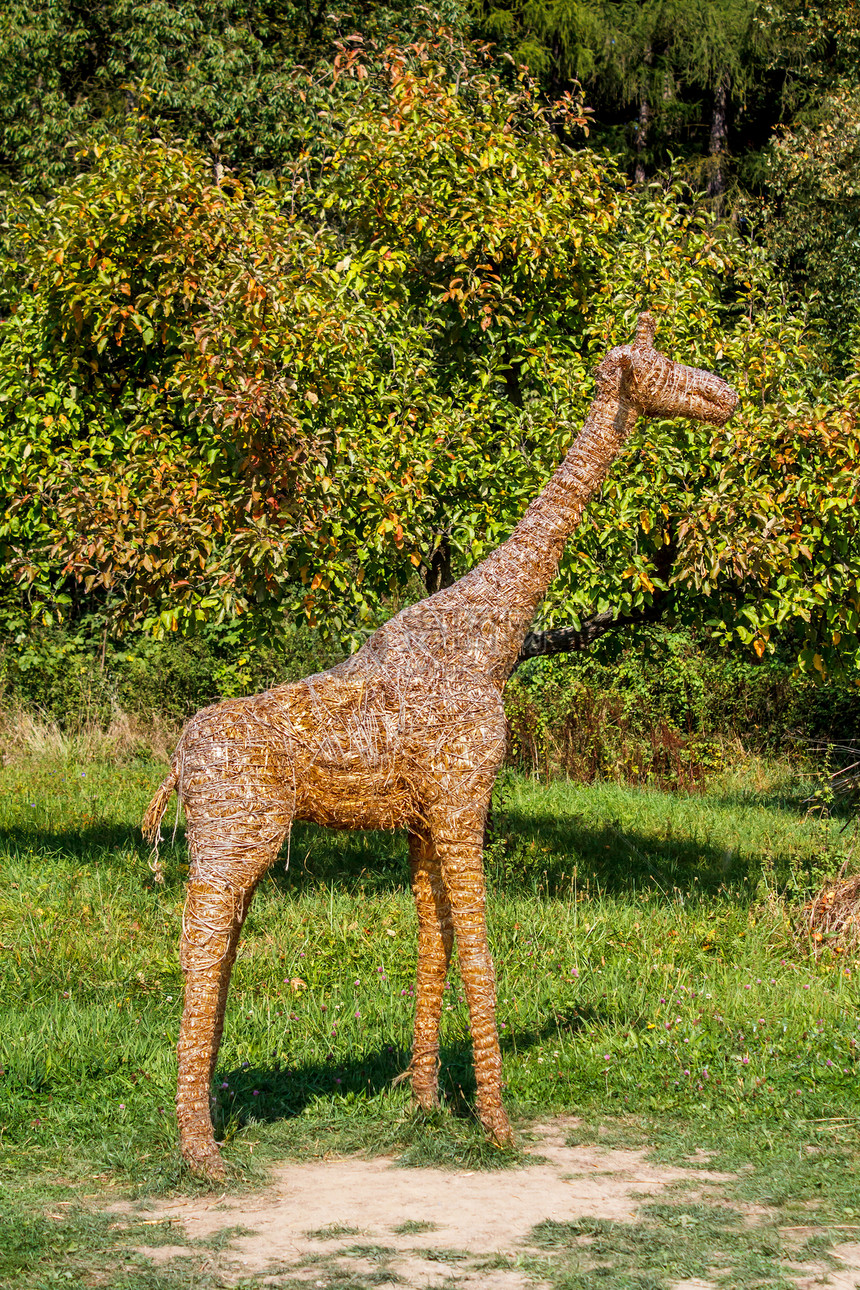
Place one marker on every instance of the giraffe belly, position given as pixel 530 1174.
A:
pixel 354 799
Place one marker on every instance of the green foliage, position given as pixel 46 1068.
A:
pixel 660 62
pixel 816 43
pixel 188 327
pixel 781 516
pixel 627 49
pixel 667 707
pixel 222 398
pixel 79 678
pixel 137 458
pixel 221 74
pixel 750 528
pixel 783 135
pixel 811 218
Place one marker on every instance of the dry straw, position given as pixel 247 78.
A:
pixel 831 920
pixel 407 733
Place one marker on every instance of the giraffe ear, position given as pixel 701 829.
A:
pixel 646 328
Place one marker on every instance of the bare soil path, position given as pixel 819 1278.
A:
pixel 367 1221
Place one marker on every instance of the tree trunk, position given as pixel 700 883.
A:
pixel 513 387
pixel 719 139
pixel 668 95
pixel 438 573
pixel 641 138
pixel 566 640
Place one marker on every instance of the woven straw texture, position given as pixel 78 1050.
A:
pixel 407 733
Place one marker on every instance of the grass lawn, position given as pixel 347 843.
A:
pixel 649 977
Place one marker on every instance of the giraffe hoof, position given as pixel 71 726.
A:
pixel 497 1127
pixel 424 1086
pixel 205 1162
pixel 426 1099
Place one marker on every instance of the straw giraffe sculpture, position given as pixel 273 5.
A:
pixel 407 733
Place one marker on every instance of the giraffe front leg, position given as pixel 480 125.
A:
pixel 435 940
pixel 458 845
pixel 211 924
pixel 226 973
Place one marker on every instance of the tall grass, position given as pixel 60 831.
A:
pixel 121 736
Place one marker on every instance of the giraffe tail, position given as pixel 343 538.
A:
pixel 154 812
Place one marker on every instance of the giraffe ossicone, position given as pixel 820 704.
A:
pixel 407 733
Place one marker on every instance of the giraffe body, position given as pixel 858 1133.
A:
pixel 407 733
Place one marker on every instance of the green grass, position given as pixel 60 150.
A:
pixel 800 1176
pixel 413 1227
pixel 648 974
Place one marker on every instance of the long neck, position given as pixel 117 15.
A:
pixel 479 623
pixel 514 579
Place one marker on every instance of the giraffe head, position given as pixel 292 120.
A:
pixel 657 387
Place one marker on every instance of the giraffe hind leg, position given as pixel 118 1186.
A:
pixel 435 942
pixel 457 836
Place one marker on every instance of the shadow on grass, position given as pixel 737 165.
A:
pixel 536 849
pixel 533 854
pixel 88 843
pixel 797 804
pixel 281 1092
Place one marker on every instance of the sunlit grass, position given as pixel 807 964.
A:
pixel 646 961
pixel 649 972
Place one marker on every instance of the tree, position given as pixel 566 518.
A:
pixel 211 428
pixel 814 45
pixel 221 75
pixel 295 397
pixel 659 60
pixel 136 458
pixel 810 215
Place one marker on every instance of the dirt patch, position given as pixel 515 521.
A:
pixel 352 1213
pixel 369 1221
pixel 848 1276
pixel 160 1254
pixel 814 1275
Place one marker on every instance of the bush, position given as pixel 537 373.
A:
pixel 78 678
pixel 659 707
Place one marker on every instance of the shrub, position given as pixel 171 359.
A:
pixel 659 708
pixel 77 678
pixel 656 707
